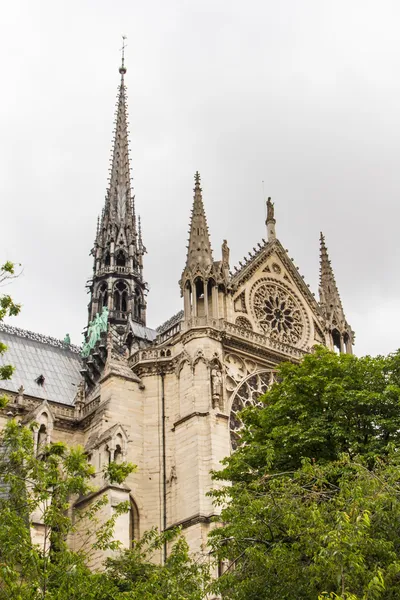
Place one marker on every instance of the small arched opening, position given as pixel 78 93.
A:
pixel 120 259
pixel 199 291
pixel 103 296
pixel 337 341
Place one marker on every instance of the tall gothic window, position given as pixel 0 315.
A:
pixel 107 259
pixel 121 296
pixel 103 296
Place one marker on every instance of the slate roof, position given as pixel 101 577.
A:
pixel 142 332
pixel 34 355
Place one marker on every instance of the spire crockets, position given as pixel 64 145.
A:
pixel 118 278
pixel 331 304
pixel 199 248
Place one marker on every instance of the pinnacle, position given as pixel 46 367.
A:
pixel 199 249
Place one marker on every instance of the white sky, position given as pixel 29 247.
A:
pixel 303 94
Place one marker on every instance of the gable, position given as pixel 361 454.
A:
pixel 272 299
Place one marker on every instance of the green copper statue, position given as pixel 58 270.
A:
pixel 67 339
pixel 95 329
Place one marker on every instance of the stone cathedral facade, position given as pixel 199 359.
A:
pixel 168 399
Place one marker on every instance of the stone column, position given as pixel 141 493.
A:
pixel 349 346
pixel 186 300
pixel 205 295
pixel 194 298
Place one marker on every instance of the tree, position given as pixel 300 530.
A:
pixel 45 485
pixel 313 510
pixel 182 577
pixel 7 308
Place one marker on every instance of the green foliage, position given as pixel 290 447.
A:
pixel 118 472
pixel 7 308
pixel 138 577
pixel 314 506
pixel 41 488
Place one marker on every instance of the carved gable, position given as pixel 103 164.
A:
pixel 277 302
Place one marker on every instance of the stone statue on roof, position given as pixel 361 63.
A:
pixel 270 210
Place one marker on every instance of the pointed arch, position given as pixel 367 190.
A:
pixel 120 296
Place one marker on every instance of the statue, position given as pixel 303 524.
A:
pixel 94 331
pixel 270 210
pixel 104 319
pixel 216 387
pixel 67 339
pixel 225 254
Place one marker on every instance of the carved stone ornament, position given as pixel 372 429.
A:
pixel 216 387
pixel 278 312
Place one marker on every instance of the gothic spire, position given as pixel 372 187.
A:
pixel 117 281
pixel 119 206
pixel 199 249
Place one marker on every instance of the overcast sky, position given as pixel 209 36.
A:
pixel 301 94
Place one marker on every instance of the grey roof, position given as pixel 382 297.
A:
pixel 170 323
pixel 33 355
pixel 142 332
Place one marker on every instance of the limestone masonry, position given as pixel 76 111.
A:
pixel 168 399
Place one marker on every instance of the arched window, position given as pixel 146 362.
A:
pixel 42 438
pixel 121 296
pixel 107 259
pixel 120 259
pixel 103 296
pixel 337 345
pixel 118 454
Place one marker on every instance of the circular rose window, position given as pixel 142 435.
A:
pixel 278 313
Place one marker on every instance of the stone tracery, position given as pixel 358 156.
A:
pixel 248 394
pixel 245 382
pixel 278 312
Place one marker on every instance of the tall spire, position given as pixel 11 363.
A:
pixel 119 206
pixel 118 268
pixel 199 249
pixel 331 303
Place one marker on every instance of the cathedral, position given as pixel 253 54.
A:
pixel 167 400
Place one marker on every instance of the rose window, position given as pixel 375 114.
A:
pixel 278 313
pixel 248 394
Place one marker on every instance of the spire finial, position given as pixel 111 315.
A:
pixel 197 181
pixel 122 68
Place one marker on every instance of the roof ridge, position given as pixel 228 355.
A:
pixel 39 337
